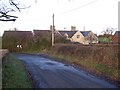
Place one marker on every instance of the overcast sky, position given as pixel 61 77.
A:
pixel 95 15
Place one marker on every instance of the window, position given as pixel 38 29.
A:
pixel 78 36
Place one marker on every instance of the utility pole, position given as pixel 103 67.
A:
pixel 53 29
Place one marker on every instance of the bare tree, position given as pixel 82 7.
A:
pixel 108 31
pixel 7 6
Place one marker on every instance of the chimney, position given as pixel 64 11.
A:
pixel 73 28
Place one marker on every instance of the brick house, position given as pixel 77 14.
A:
pixel 116 37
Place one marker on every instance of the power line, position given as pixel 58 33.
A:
pixel 81 6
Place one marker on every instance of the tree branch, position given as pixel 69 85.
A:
pixel 11 6
pixel 7 20
pixel 14 4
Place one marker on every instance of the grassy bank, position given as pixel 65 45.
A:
pixel 14 74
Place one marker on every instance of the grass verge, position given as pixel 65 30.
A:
pixel 14 73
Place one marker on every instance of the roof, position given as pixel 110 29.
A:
pixel 85 33
pixel 21 34
pixel 117 32
pixel 42 33
pixel 70 33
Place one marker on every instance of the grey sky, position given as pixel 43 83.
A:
pixel 94 15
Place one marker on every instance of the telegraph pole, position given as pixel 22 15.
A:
pixel 53 29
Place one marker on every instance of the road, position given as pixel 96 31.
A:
pixel 47 73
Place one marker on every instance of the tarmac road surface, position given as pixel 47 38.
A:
pixel 46 73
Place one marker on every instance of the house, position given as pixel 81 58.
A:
pixel 89 37
pixel 83 37
pixel 73 36
pixel 116 37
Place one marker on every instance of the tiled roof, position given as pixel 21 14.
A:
pixel 70 33
pixel 21 34
pixel 118 33
pixel 42 32
pixel 85 33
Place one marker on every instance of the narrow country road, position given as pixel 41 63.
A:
pixel 47 73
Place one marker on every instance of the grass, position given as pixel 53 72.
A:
pixel 14 73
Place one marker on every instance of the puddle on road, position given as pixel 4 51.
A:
pixel 66 65
pixel 48 63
